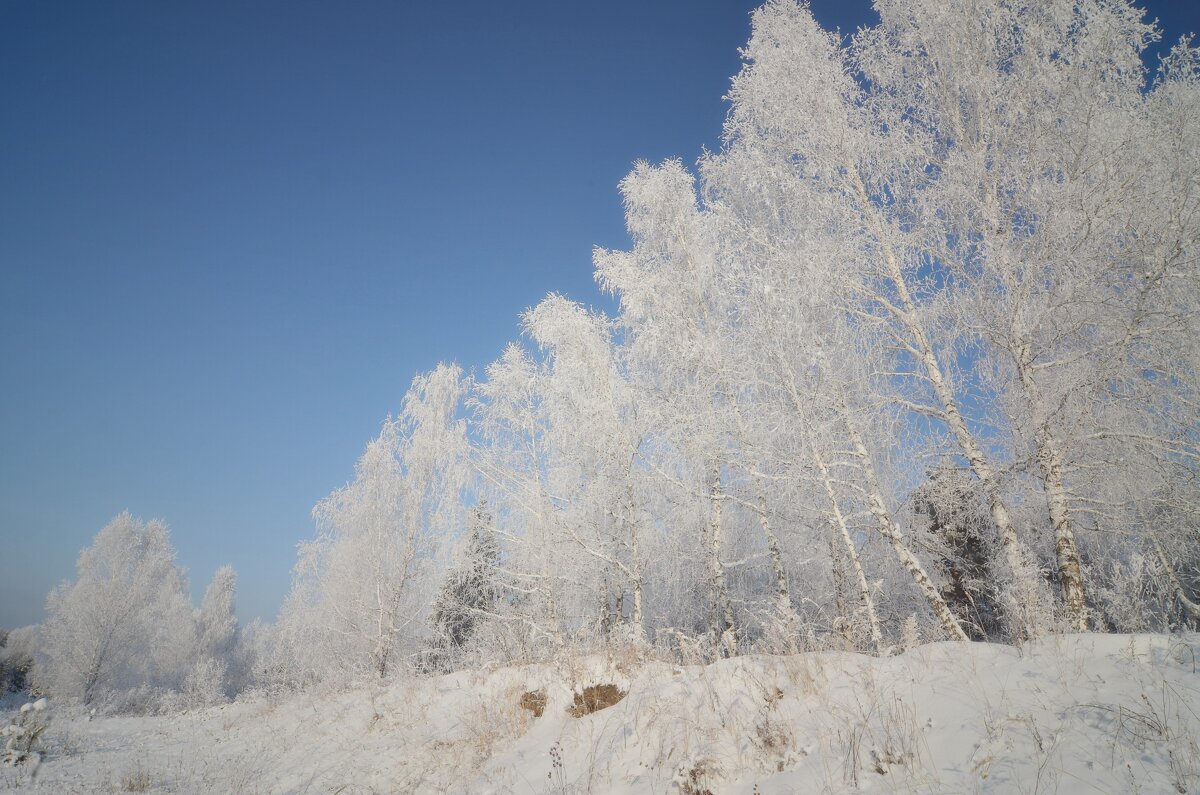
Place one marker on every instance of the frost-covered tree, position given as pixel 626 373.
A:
pixel 362 587
pixel 596 444
pixel 675 306
pixel 216 641
pixel 968 192
pixel 17 650
pixel 966 234
pixel 216 621
pixel 125 623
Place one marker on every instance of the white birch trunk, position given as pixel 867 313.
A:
pixel 1021 595
pixel 1050 463
pixel 783 597
pixel 839 522
pixel 635 560
pixel 725 627
pixel 889 530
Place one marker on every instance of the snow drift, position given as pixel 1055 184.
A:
pixel 1080 713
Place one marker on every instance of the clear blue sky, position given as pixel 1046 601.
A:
pixel 231 233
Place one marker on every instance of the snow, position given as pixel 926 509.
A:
pixel 1077 713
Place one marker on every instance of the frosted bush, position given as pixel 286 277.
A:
pixel 22 735
pixel 204 685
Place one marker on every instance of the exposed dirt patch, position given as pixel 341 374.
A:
pixel 595 698
pixel 534 701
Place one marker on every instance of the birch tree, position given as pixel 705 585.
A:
pixel 1055 201
pixel 362 587
pixel 600 434
pixel 672 313
pixel 124 623
pixel 511 457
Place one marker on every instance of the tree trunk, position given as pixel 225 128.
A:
pixel 635 553
pixel 892 533
pixel 724 625
pixel 606 611
pixel 839 522
pixel 837 518
pixel 783 597
pixel 1049 459
pixel 1022 592
pixel 1066 551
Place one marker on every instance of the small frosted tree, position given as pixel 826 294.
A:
pixel 216 622
pixel 216 640
pixel 124 623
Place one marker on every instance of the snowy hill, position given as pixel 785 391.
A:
pixel 1083 713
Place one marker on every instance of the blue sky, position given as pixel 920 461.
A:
pixel 231 233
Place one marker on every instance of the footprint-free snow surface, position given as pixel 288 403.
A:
pixel 1072 714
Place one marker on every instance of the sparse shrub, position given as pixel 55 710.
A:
pixel 771 734
pixel 557 774
pixel 692 779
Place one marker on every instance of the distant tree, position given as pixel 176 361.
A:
pixel 16 658
pixel 256 658
pixel 470 591
pixel 597 434
pixel 125 623
pixel 216 622
pixel 216 640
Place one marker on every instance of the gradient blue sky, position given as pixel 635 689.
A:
pixel 231 233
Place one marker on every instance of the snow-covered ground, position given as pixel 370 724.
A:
pixel 1074 714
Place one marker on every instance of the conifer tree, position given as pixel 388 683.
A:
pixel 471 590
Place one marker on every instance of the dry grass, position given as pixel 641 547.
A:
pixel 137 780
pixel 534 701
pixel 694 780
pixel 595 698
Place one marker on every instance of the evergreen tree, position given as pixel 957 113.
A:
pixel 470 592
pixel 959 522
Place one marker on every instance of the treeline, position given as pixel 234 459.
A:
pixel 913 356
pixel 125 635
